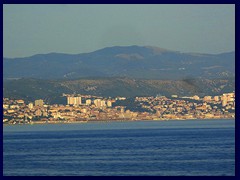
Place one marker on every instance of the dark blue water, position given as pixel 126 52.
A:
pixel 162 148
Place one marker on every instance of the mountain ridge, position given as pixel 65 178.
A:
pixel 109 47
pixel 129 61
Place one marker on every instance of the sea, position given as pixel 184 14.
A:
pixel 134 148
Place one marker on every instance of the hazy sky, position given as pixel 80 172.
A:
pixel 36 29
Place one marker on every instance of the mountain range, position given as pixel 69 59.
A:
pixel 118 71
pixel 141 62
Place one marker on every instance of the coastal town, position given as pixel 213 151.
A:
pixel 86 108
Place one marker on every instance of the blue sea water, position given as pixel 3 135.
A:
pixel 143 148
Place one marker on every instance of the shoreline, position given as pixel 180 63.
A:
pixel 110 121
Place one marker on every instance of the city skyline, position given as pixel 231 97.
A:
pixel 97 108
pixel 73 29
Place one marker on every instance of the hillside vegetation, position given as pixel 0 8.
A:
pixel 52 90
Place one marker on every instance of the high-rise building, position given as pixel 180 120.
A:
pixel 74 100
pixel 70 100
pixel 78 100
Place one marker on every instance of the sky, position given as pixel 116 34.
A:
pixel 39 29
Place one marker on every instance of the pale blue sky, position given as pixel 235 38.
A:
pixel 37 29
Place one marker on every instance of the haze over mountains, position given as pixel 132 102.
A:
pixel 141 62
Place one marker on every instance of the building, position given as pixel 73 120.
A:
pixel 216 98
pixel 39 102
pixel 109 103
pixel 196 97
pixel 88 102
pixel 207 98
pixel 5 106
pixel 224 98
pixel 77 100
pixel 38 112
pixel 103 103
pixel 74 100
pixel 20 101
pixel 97 102
pixel 224 103
pixel 70 100
pixel 30 105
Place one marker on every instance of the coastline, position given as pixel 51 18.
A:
pixel 110 121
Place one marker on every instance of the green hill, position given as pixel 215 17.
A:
pixel 52 90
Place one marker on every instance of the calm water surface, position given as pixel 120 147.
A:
pixel 154 148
